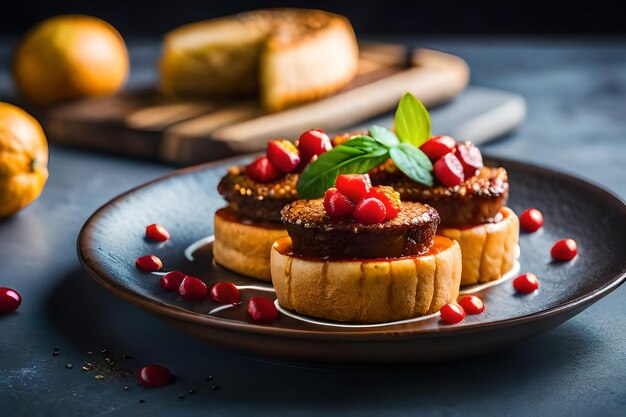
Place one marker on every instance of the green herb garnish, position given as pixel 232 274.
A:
pixel 362 153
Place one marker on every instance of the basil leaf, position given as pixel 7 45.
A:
pixel 412 121
pixel 356 156
pixel 383 135
pixel 413 162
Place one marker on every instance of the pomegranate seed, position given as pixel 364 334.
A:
pixel 262 170
pixel 262 309
pixel 336 204
pixel 564 250
pixel 149 263
pixel 452 313
pixel 171 281
pixel 370 211
pixel 193 289
pixel 390 199
pixel 526 283
pixel 470 158
pixel 531 220
pixel 472 304
pixel 154 376
pixel 10 300
pixel 283 154
pixel 448 170
pixel 354 186
pixel 313 143
pixel 438 146
pixel 157 233
pixel 225 292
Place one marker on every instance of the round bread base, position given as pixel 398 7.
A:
pixel 488 250
pixel 367 291
pixel 244 247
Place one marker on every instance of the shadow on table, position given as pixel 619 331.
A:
pixel 89 318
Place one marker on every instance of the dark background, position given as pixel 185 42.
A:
pixel 390 17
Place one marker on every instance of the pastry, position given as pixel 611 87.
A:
pixel 345 261
pixel 288 56
pixel 472 212
pixel 248 226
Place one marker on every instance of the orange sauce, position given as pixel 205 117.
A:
pixel 284 247
pixel 232 217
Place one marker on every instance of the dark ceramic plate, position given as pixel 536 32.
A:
pixel 185 202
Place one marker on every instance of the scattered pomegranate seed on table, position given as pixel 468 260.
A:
pixel 470 158
pixel 438 146
pixel 452 313
pixel 472 304
pixel 336 204
pixel 193 289
pixel 157 233
pixel 526 283
pixel 354 186
pixel 262 170
pixel 262 309
pixel 531 220
pixel 448 170
pixel 564 250
pixel 149 263
pixel 172 280
pixel 154 376
pixel 283 155
pixel 225 292
pixel 370 211
pixel 10 300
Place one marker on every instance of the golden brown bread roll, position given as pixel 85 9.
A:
pixel 488 250
pixel 367 291
pixel 244 247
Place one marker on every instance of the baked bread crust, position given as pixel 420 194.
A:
pixel 488 250
pixel 367 291
pixel 282 53
pixel 244 247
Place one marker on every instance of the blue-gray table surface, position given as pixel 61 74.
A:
pixel 576 122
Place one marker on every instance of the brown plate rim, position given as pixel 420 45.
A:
pixel 177 313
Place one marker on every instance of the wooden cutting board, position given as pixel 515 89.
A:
pixel 148 125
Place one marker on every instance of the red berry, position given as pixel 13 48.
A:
pixel 470 158
pixel 262 170
pixel 390 199
pixel 313 143
pixel 472 304
pixel 448 170
pixel 526 283
pixel 564 250
pixel 193 289
pixel 171 281
pixel 155 376
pixel 531 220
pixel 149 263
pixel 157 233
pixel 354 186
pixel 225 292
pixel 370 211
pixel 438 146
pixel 262 309
pixel 452 313
pixel 10 300
pixel 283 155
pixel 336 204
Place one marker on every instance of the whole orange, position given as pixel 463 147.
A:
pixel 70 56
pixel 23 159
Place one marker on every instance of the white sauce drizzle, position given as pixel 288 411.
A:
pixel 191 249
